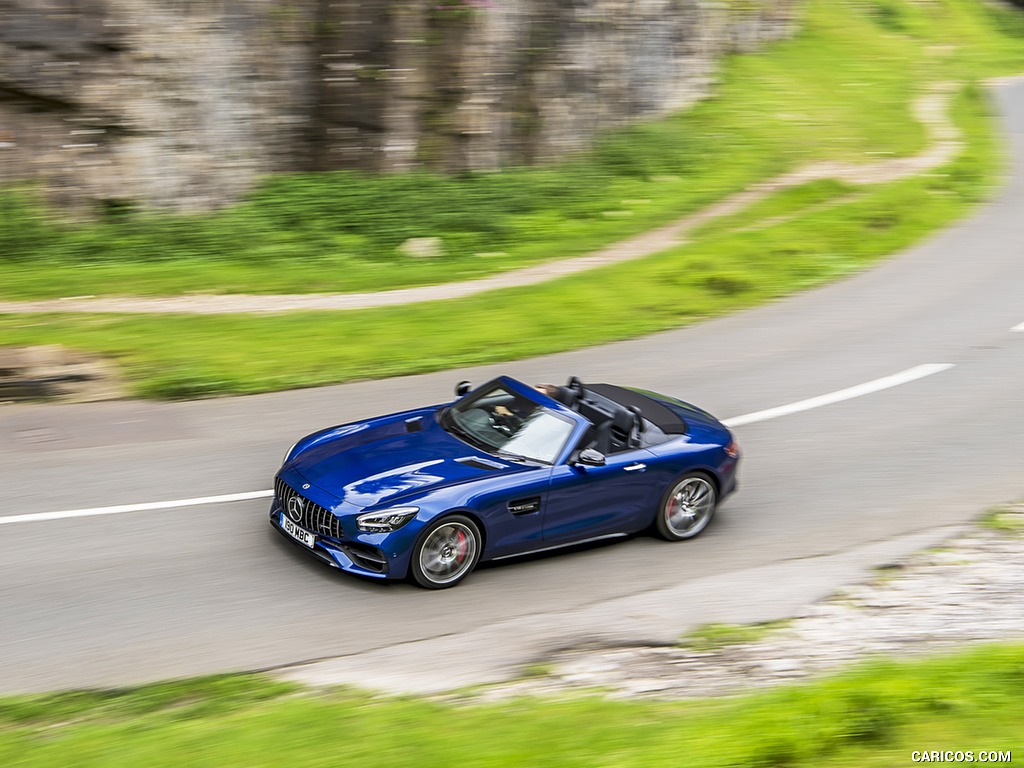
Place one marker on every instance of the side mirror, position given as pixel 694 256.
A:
pixel 591 457
pixel 462 388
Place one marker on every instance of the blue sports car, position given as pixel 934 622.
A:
pixel 505 469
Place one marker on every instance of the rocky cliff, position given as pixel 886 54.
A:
pixel 184 103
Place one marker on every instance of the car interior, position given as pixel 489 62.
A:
pixel 621 419
pixel 618 417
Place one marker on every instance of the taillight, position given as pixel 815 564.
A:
pixel 732 450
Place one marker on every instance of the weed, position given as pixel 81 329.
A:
pixel 712 637
pixel 1004 519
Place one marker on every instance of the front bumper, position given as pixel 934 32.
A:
pixel 351 557
pixel 336 541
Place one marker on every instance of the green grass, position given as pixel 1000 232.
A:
pixel 839 91
pixel 1004 519
pixel 782 205
pixel 186 356
pixel 713 637
pixel 873 715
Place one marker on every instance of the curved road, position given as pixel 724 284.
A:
pixel 826 492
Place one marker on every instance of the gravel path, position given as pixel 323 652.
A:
pixel 967 591
pixel 931 109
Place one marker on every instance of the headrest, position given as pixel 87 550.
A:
pixel 624 420
pixel 565 396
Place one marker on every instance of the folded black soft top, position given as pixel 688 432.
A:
pixel 665 419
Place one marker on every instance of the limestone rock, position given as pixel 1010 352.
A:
pixel 121 104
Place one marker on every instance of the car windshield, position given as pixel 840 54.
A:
pixel 504 423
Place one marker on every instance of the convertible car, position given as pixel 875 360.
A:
pixel 505 469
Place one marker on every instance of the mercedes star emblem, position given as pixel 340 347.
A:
pixel 295 505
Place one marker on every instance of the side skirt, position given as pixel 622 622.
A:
pixel 561 546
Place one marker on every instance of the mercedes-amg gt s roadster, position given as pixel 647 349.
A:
pixel 505 469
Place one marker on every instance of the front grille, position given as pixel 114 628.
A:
pixel 313 518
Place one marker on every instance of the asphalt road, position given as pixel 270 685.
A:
pixel 133 597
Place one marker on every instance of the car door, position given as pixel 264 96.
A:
pixel 584 502
pixel 513 512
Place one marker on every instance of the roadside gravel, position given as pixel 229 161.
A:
pixel 967 591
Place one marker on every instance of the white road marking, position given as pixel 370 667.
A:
pixel 146 507
pixel 887 382
pixel 1018 327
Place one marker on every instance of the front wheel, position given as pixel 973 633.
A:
pixel 446 552
pixel 687 507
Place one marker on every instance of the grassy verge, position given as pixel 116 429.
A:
pixel 839 91
pixel 731 267
pixel 815 108
pixel 874 715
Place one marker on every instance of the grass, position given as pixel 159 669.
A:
pixel 713 637
pixel 537 669
pixel 873 715
pixel 840 90
pixel 886 574
pixel 185 356
pixel 779 207
pixel 1004 519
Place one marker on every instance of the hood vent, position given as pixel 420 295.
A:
pixel 414 424
pixel 477 463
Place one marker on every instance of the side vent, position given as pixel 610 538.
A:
pixel 524 506
pixel 415 424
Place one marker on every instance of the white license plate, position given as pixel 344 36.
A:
pixel 299 534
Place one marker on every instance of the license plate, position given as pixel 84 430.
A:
pixel 299 534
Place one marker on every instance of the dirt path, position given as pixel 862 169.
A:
pixel 931 109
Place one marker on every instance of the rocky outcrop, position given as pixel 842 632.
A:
pixel 123 103
pixel 52 372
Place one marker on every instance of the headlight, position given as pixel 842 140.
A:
pixel 288 453
pixel 386 520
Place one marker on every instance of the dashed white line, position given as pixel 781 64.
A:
pixel 868 387
pixel 877 385
pixel 145 507
pixel 1018 327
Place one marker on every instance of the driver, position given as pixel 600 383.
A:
pixel 504 412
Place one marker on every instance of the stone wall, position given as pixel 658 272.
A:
pixel 184 103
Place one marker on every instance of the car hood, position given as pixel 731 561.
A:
pixel 380 462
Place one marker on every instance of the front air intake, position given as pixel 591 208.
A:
pixel 370 558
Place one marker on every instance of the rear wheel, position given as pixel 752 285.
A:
pixel 687 507
pixel 446 552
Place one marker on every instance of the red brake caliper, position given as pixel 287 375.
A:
pixel 460 546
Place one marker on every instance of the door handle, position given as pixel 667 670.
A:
pixel 638 467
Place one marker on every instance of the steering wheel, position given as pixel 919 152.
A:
pixel 482 419
pixel 477 417
pixel 576 385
